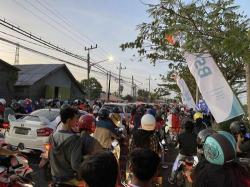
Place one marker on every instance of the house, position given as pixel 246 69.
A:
pixel 46 81
pixel 8 77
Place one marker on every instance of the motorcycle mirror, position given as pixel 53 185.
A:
pixel 114 143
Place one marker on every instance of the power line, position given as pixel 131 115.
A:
pixel 44 20
pixel 49 45
pixel 50 56
pixel 62 18
pixel 38 39
pixel 24 40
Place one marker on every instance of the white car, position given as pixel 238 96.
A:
pixel 124 108
pixel 32 131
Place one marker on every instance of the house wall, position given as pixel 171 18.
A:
pixel 45 88
pixel 8 78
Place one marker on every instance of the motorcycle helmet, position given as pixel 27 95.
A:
pixel 202 136
pixel 148 122
pixel 86 122
pixel 76 102
pixel 103 113
pixel 116 110
pixel 28 101
pixel 151 111
pixel 65 106
pixel 198 115
pixel 229 137
pixel 238 127
pixel 219 149
pixel 2 101
pixel 15 105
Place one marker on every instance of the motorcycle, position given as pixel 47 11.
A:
pixel 16 172
pixel 164 149
pixel 44 162
pixel 184 170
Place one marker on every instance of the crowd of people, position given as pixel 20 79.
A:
pixel 82 150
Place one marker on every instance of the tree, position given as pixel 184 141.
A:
pixel 129 98
pixel 143 95
pixel 213 26
pixel 93 86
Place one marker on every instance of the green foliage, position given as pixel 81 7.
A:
pixel 143 95
pixel 129 98
pixel 93 86
pixel 213 26
pixel 225 126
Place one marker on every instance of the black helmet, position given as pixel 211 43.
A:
pixel 103 113
pixel 65 106
pixel 202 136
pixel 116 110
pixel 238 127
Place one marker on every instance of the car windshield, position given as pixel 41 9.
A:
pixel 49 114
pixel 111 107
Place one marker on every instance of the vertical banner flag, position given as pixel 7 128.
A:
pixel 214 88
pixel 187 98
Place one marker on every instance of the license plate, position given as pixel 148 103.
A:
pixel 23 131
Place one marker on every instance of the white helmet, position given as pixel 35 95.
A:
pixel 148 122
pixel 2 101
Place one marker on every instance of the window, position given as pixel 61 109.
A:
pixel 49 114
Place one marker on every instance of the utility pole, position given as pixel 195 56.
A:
pixel 197 95
pixel 109 82
pixel 17 55
pixel 132 88
pixel 88 59
pixel 119 88
pixel 135 92
pixel 149 86
pixel 89 66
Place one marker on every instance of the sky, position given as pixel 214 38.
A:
pixel 75 24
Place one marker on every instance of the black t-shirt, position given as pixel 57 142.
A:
pixel 245 149
pixel 187 143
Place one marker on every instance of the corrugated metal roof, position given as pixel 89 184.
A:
pixel 9 65
pixel 32 73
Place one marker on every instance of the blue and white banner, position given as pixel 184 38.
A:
pixel 215 90
pixel 186 96
pixel 202 107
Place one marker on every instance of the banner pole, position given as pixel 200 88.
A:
pixel 197 94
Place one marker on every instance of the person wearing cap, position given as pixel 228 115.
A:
pixel 145 137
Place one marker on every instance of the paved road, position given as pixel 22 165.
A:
pixel 170 158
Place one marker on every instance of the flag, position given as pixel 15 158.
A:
pixel 214 88
pixel 186 96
